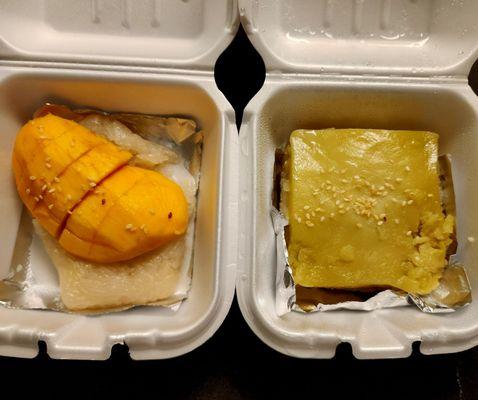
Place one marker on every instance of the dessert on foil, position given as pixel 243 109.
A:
pixel 364 212
pixel 113 199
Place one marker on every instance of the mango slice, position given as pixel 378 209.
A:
pixel 151 212
pixel 364 209
pixel 81 177
pixel 79 187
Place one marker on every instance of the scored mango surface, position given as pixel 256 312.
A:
pixel 364 209
pixel 80 188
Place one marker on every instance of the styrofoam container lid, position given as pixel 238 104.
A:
pixel 392 37
pixel 180 33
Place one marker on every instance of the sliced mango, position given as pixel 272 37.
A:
pixel 46 146
pixel 78 186
pixel 151 213
pixel 82 176
pixel 90 213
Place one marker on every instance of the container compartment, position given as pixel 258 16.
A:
pixel 448 108
pixel 150 332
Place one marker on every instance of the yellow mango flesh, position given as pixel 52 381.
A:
pixel 78 186
pixel 82 176
pixel 364 209
pixel 151 212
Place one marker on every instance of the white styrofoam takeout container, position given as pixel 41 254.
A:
pixel 146 56
pixel 398 64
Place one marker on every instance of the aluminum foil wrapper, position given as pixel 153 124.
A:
pixel 453 292
pixel 36 286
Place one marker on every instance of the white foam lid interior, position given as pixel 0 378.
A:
pixel 186 33
pixel 422 37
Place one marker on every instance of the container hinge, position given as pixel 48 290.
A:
pixel 106 67
pixel 325 77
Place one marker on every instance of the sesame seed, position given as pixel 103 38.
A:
pixel 343 171
pixel 396 220
pixel 51 190
pixel 344 181
pixel 32 177
pixel 309 224
pixel 28 190
pixel 307 216
pixel 40 197
pixel 410 202
pixel 37 199
pixel 68 196
pixel 56 179
pixel 92 184
pixel 337 202
pixel 70 212
pixel 342 212
pixel 383 216
pixel 359 225
pixel 48 165
pixel 332 215
pixel 381 188
pixel 299 220
pixel 407 168
pixel 390 186
pixel 409 233
pixel 398 180
pixel 129 227
pixel 44 187
pixel 306 207
pixel 380 223
pixel 322 218
pixel 429 195
pixel 404 203
pixel 313 213
pixel 50 206
pixel 471 239
pixel 356 177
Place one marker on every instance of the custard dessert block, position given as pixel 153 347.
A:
pixel 364 209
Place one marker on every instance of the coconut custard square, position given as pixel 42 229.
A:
pixel 364 209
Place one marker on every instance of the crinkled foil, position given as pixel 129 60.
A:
pixel 452 293
pixel 36 286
